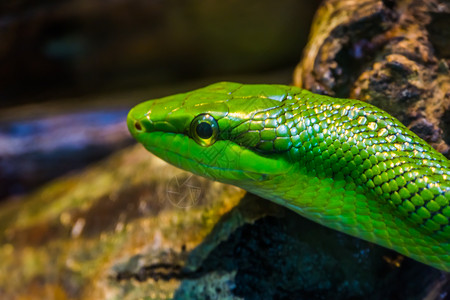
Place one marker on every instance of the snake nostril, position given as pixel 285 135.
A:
pixel 138 126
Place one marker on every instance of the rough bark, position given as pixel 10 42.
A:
pixel 393 54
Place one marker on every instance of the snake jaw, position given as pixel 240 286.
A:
pixel 224 161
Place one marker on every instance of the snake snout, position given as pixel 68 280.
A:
pixel 138 122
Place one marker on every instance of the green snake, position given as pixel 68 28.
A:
pixel 342 163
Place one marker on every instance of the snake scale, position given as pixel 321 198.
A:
pixel 342 163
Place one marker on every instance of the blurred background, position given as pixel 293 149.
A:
pixel 70 70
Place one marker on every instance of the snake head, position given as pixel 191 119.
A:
pixel 225 131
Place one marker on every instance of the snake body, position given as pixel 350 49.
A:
pixel 342 163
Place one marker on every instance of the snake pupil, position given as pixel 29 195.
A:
pixel 204 130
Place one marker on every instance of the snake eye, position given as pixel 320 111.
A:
pixel 204 129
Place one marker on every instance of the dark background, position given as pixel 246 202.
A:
pixel 55 48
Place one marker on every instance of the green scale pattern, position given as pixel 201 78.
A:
pixel 376 156
pixel 353 167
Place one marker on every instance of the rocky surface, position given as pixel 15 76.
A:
pixel 79 236
pixel 134 227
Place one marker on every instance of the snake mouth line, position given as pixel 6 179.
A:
pixel 160 152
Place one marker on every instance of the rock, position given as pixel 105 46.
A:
pixel 133 226
pixel 78 236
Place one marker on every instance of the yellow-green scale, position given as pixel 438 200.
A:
pixel 358 170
